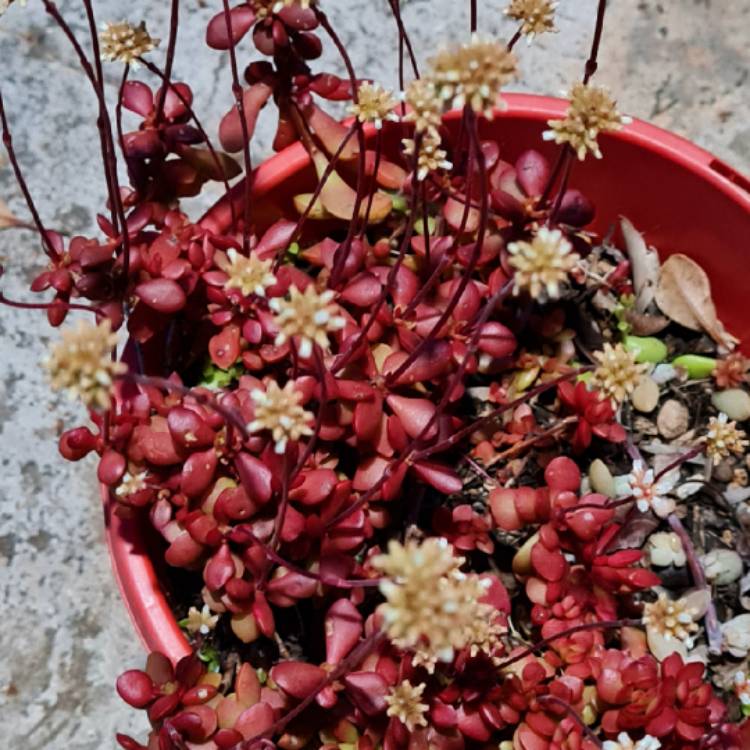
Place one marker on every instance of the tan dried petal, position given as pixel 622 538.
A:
pixel 591 111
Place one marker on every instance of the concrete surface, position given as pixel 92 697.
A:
pixel 65 635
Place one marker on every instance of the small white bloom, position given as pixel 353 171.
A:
pixel 624 742
pixel 650 494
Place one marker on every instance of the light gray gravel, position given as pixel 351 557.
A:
pixel 64 634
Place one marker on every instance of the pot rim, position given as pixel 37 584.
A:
pixel 134 571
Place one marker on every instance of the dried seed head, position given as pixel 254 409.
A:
pixel 431 607
pixel 200 621
pixel 82 363
pixel 250 275
pixel 279 411
pixel 123 42
pixel 617 374
pixel 624 742
pixel 472 74
pixel 724 438
pixel 650 494
pixel 131 483
pixel 731 372
pixel 431 157
pixel 374 104
pixel 535 16
pixel 542 265
pixel 425 107
pixel 591 111
pixel 307 316
pixel 404 703
pixel 671 619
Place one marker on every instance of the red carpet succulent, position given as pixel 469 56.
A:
pixel 364 419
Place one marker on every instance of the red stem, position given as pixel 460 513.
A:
pixel 8 143
pixel 174 22
pixel 199 126
pixel 342 252
pixel 711 619
pixel 240 104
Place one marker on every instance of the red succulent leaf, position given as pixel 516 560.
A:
pixel 162 295
pixel 241 20
pixel 136 688
pixel 257 479
pixel 297 678
pixel 343 629
pixel 367 691
pixel 198 472
pixel 255 721
pixel 224 348
pixel 219 569
pixel 231 132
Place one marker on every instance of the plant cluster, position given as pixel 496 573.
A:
pixel 387 424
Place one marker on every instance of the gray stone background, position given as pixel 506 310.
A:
pixel 64 637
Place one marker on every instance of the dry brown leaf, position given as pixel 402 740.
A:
pixel 7 218
pixel 683 294
pixel 644 261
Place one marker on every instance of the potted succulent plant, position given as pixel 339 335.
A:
pixel 400 447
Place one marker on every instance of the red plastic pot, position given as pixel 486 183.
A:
pixel 683 199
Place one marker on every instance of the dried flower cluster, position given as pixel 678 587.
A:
pixel 592 111
pixel 82 363
pixel 374 104
pixel 543 265
pixel 671 619
pixel 724 438
pixel 125 43
pixel 616 374
pixel 535 16
pixel 473 74
pixel 279 411
pixel 306 317
pixel 249 275
pixel 404 704
pixel 431 607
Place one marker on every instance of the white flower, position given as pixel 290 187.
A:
pixel 650 494
pixel 131 483
pixel 624 742
pixel 201 621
